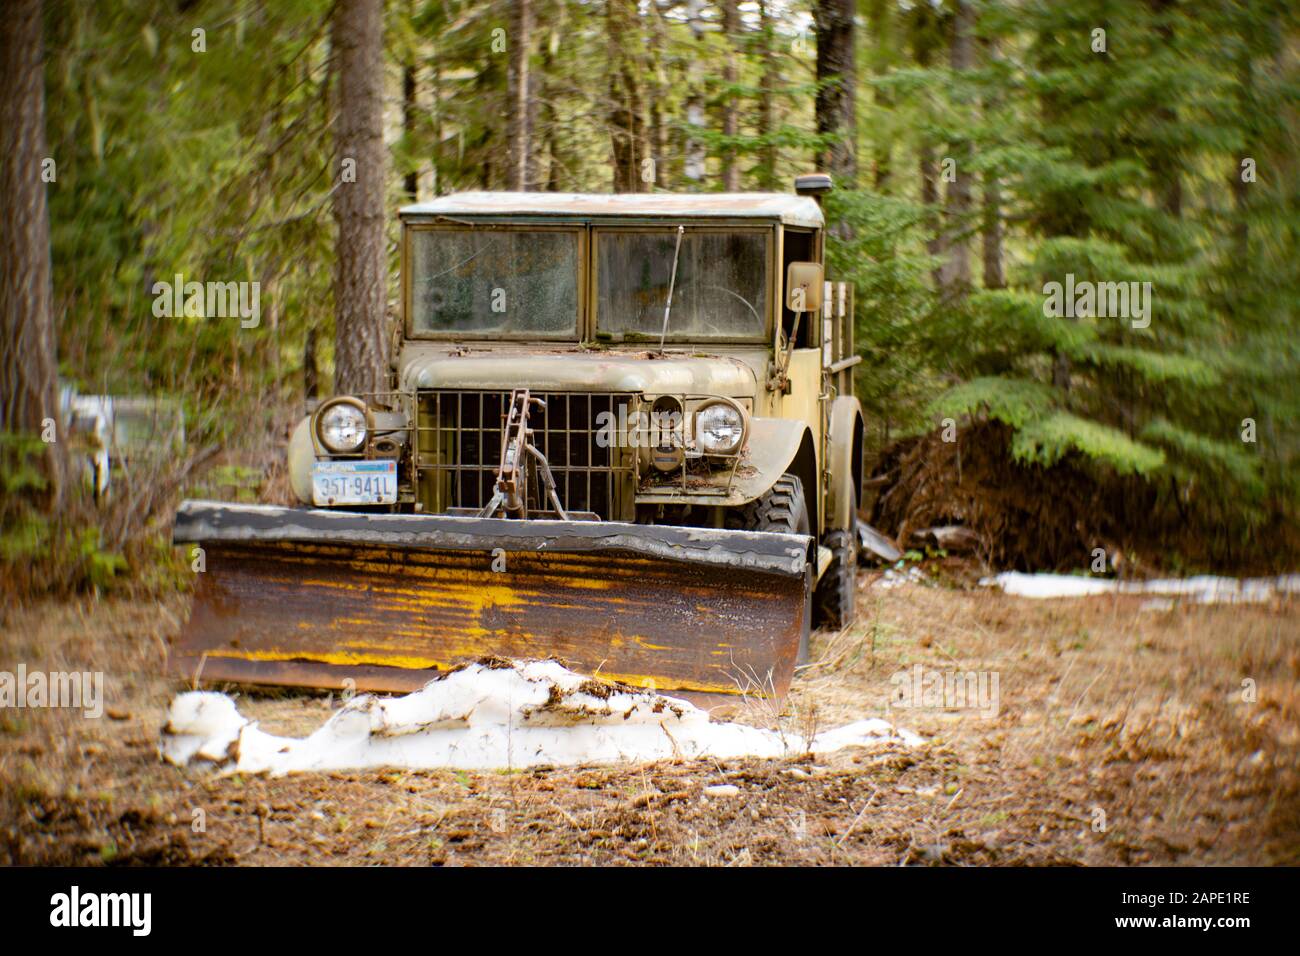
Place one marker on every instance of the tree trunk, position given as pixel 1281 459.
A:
pixel 923 45
pixel 548 125
pixel 519 113
pixel 836 86
pixel 927 167
pixel 994 278
pixel 657 146
pixel 436 93
pixel 991 227
pixel 310 369
pixel 1167 166
pixel 954 275
pixel 658 142
pixel 28 365
pixel 625 121
pixel 696 155
pixel 767 99
pixel 360 339
pixel 730 109
pixel 1056 212
pixel 880 22
pixel 411 182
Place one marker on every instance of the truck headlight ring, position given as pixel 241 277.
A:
pixel 341 425
pixel 720 427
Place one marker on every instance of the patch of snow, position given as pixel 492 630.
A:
pixel 489 716
pixel 1049 585
pixel 854 734
pixel 1203 589
pixel 722 790
pixel 897 576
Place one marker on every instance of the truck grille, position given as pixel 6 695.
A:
pixel 458 448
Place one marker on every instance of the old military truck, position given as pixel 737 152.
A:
pixel 621 432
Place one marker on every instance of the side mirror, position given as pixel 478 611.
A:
pixel 396 334
pixel 803 287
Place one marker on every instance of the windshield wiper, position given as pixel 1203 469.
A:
pixel 672 281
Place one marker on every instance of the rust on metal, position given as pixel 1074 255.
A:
pixel 390 601
pixel 392 619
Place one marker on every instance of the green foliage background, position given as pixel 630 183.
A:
pixel 217 164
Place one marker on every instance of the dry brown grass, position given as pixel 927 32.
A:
pixel 1104 706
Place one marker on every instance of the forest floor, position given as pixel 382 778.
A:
pixel 1123 734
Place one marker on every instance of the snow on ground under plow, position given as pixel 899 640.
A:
pixel 490 715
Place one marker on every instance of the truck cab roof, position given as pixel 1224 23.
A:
pixel 789 210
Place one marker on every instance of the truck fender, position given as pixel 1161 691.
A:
pixel 777 446
pixel 844 457
pixel 301 456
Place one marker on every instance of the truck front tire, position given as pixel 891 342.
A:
pixel 784 510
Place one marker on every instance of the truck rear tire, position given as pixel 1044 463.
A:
pixel 837 590
pixel 784 510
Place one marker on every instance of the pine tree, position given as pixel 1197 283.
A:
pixel 28 365
pixel 361 262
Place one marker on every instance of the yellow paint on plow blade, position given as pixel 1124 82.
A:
pixel 395 561
pixel 645 622
pixel 344 659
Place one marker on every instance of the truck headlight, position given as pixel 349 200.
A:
pixel 719 427
pixel 341 426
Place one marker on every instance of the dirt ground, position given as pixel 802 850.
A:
pixel 1123 734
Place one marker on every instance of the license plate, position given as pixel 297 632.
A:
pixel 354 482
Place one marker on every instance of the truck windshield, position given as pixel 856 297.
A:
pixel 494 281
pixel 720 293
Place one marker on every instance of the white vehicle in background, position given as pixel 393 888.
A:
pixel 110 433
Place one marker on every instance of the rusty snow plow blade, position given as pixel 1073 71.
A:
pixel 385 602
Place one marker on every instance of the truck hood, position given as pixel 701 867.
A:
pixel 423 367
